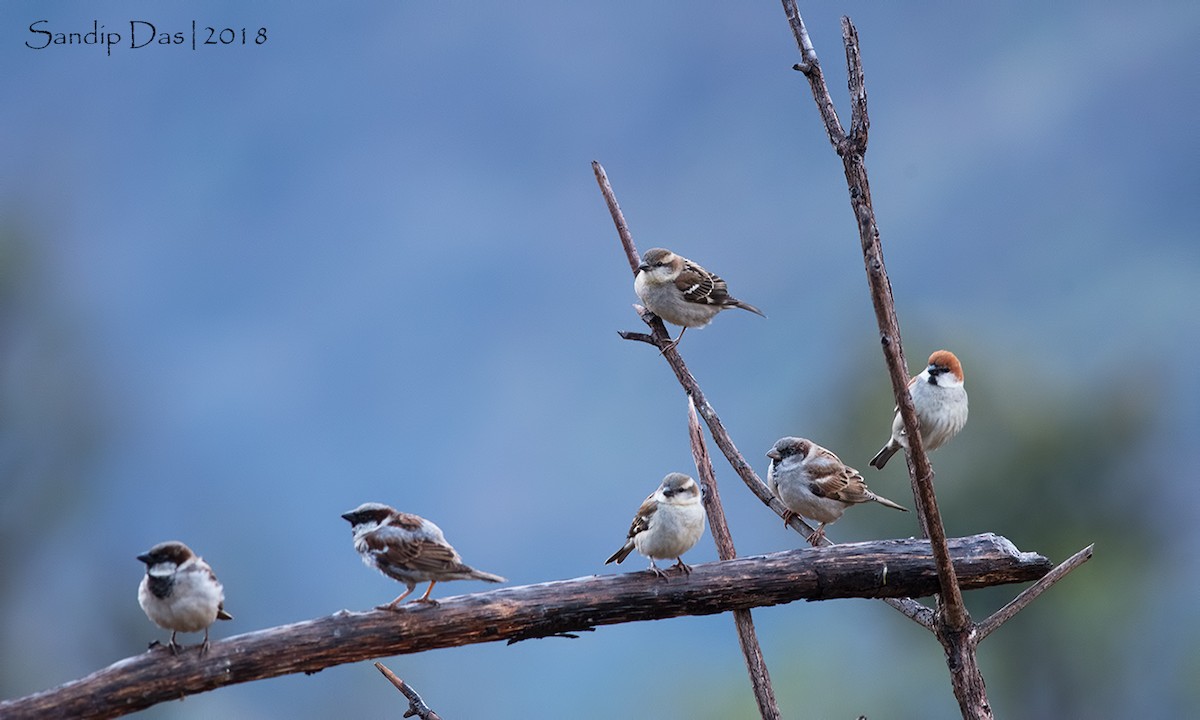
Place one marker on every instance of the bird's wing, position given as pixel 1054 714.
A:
pixel 641 521
pixel 842 483
pixel 401 548
pixel 700 286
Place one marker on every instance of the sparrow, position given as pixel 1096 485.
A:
pixel 941 403
pixel 180 593
pixel 681 292
pixel 668 524
pixel 814 483
pixel 407 548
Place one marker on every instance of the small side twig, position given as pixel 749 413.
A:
pixel 1004 614
pixel 416 706
pixel 760 679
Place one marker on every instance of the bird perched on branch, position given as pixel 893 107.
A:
pixel 180 592
pixel 668 524
pixel 407 548
pixel 681 292
pixel 940 400
pixel 814 483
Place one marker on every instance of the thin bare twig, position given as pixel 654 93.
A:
pixel 1030 593
pixel 760 679
pixel 416 706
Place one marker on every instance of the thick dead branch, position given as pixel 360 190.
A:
pixel 890 568
pixel 756 665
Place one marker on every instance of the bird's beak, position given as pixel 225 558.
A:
pixel 348 517
pixel 144 558
pixel 773 454
pixel 643 266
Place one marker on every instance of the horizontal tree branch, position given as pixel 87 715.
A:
pixel 887 568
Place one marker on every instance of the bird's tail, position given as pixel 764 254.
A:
pixel 884 455
pixel 619 556
pixel 222 615
pixel 748 306
pixel 486 576
pixel 884 501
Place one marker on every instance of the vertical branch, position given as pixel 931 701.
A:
pixel 953 624
pixel 852 150
pixel 760 679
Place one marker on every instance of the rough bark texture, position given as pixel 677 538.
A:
pixel 890 568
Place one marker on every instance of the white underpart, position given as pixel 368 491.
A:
pixel 673 529
pixel 192 604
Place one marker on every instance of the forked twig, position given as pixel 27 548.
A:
pixel 416 706
pixel 952 623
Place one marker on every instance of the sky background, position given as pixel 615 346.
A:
pixel 245 288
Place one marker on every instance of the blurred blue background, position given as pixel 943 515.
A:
pixel 245 288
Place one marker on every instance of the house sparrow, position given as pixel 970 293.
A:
pixel 668 524
pixel 681 292
pixel 814 483
pixel 180 593
pixel 941 403
pixel 407 548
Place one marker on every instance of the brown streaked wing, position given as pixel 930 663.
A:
pixel 641 521
pixel 700 286
pixel 416 553
pixel 846 485
pixel 408 521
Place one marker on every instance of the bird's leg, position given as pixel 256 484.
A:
pixel 174 647
pixel 657 572
pixel 683 567
pixel 818 536
pixel 425 598
pixel 788 517
pixel 392 605
pixel 204 645
pixel 674 342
